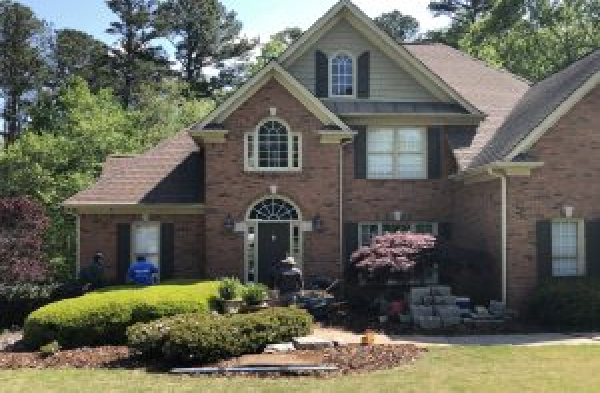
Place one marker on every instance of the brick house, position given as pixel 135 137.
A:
pixel 348 135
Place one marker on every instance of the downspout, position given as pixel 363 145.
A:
pixel 503 191
pixel 341 201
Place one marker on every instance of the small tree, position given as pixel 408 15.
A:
pixel 393 254
pixel 22 226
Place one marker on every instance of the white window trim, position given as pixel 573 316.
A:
pixel 395 153
pixel 254 133
pixel 330 74
pixel 581 261
pixel 380 224
pixel 132 247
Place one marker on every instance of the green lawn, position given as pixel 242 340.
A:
pixel 456 369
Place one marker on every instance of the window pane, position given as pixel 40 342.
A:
pixel 367 231
pixel 380 166
pixel 564 248
pixel 424 227
pixel 410 141
pixel 393 228
pixel 380 141
pixel 146 239
pixel 273 145
pixel 342 75
pixel 411 166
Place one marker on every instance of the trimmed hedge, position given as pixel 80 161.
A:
pixel 207 338
pixel 19 300
pixel 567 303
pixel 102 317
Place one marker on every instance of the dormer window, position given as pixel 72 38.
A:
pixel 342 82
pixel 273 147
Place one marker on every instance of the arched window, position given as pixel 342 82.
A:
pixel 273 147
pixel 274 209
pixel 342 75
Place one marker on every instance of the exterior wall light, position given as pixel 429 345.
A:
pixel 317 223
pixel 229 224
pixel 568 211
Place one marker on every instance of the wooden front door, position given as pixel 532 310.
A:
pixel 273 246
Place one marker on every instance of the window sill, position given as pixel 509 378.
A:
pixel 273 170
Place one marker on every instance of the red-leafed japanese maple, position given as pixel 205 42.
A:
pixel 393 253
pixel 22 226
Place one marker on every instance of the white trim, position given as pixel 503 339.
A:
pixel 486 172
pixel 378 37
pixel 554 117
pixel 271 70
pixel 255 146
pixel 271 196
pixel 330 73
pixel 395 153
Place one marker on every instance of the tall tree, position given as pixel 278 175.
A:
pixel 278 43
pixel 399 26
pixel 535 38
pixel 79 54
pixel 461 11
pixel 137 59
pixel 22 61
pixel 206 36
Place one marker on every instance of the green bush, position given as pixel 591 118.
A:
pixel 102 317
pixel 230 288
pixel 206 338
pixel 255 294
pixel 567 303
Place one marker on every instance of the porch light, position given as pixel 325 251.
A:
pixel 317 223
pixel 229 223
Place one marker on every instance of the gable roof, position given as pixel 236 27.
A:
pixel 540 108
pixel 380 39
pixel 165 174
pixel 270 71
pixel 493 91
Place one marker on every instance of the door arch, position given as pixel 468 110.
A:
pixel 273 231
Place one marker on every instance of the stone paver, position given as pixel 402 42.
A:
pixel 535 339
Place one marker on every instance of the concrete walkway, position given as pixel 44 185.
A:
pixel 535 339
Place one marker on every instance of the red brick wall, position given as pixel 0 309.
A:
pixel 570 176
pixel 375 200
pixel 231 190
pixel 99 233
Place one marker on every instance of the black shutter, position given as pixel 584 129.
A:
pixel 321 74
pixel 123 251
pixel 544 249
pixel 592 248
pixel 434 152
pixel 445 231
pixel 363 75
pixel 360 152
pixel 350 241
pixel 167 251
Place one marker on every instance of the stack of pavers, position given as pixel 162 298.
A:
pixel 433 307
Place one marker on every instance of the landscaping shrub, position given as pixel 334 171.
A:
pixel 255 294
pixel 102 317
pixel 230 288
pixel 206 338
pixel 19 300
pixel 567 303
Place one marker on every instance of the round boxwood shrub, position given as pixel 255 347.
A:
pixel 101 318
pixel 567 303
pixel 206 338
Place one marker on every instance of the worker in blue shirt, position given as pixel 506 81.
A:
pixel 142 272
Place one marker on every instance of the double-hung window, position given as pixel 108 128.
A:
pixel 146 242
pixel 369 230
pixel 273 147
pixel 567 248
pixel 397 153
pixel 342 75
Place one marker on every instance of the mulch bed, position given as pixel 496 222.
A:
pixel 349 358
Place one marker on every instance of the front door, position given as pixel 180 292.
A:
pixel 273 246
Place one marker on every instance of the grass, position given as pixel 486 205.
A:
pixel 451 369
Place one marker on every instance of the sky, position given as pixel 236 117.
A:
pixel 261 18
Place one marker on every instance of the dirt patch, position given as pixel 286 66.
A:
pixel 348 358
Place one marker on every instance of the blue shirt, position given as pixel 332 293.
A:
pixel 142 273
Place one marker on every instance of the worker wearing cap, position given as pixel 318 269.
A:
pixel 288 281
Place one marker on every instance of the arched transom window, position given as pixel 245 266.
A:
pixel 274 209
pixel 342 75
pixel 273 147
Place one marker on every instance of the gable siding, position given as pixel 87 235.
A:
pixel 388 80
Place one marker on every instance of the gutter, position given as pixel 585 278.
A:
pixel 503 242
